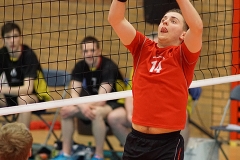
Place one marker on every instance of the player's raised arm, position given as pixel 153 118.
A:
pixel 193 37
pixel 125 31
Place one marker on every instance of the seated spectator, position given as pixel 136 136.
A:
pixel 15 142
pixel 101 75
pixel 24 79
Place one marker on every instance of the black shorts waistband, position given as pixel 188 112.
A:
pixel 156 136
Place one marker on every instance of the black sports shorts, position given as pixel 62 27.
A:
pixel 141 146
pixel 114 104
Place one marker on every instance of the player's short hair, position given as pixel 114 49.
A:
pixel 15 141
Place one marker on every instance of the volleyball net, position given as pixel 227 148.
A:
pixel 54 30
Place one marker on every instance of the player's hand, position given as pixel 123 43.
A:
pixel 69 111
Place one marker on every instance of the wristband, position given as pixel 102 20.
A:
pixel 122 0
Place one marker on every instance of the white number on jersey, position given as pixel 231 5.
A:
pixel 156 67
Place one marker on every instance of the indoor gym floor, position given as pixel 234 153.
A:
pixel 39 137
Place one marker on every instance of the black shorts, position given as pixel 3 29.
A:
pixel 11 100
pixel 114 104
pixel 167 146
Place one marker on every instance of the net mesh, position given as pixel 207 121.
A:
pixel 55 28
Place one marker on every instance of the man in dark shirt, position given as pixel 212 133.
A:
pixel 94 75
pixel 19 68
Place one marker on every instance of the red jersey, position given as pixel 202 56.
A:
pixel 160 83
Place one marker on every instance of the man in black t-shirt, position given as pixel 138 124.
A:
pixel 93 75
pixel 21 73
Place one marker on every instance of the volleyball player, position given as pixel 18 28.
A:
pixel 15 142
pixel 163 72
pixel 100 75
pixel 24 79
pixel 120 119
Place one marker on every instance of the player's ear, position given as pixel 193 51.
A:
pixel 182 36
pixel 30 153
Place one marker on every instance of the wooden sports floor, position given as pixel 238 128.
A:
pixel 39 136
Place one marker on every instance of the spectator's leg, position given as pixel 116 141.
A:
pixel 26 116
pixel 117 119
pixel 99 128
pixel 67 134
pixel 186 133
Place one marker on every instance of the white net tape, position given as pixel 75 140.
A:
pixel 103 97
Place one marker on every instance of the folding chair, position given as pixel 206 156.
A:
pixel 10 118
pixel 54 78
pixel 234 96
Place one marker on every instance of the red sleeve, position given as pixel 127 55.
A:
pixel 189 62
pixel 188 56
pixel 137 43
